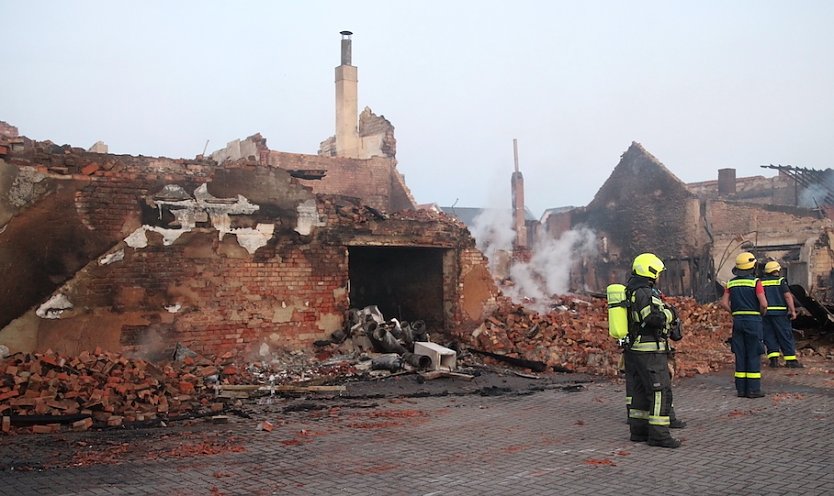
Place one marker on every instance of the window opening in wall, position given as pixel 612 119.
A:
pixel 405 283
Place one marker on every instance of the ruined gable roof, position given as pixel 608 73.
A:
pixel 638 173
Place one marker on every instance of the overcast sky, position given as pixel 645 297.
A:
pixel 701 84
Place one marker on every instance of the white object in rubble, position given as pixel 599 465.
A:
pixel 264 350
pixel 4 351
pixel 442 358
pixel 173 308
pixel 53 307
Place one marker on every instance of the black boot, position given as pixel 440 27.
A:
pixel 677 424
pixel 774 362
pixel 665 443
pixel 793 364
pixel 756 394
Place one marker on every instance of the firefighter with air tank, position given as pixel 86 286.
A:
pixel 638 316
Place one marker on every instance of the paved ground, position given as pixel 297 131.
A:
pixel 560 440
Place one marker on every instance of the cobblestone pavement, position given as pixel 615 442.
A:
pixel 562 440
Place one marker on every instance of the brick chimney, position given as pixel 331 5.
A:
pixel 726 182
pixel 347 82
pixel 517 186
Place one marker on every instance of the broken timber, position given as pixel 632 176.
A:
pixel 243 390
pixel 437 374
pixel 533 365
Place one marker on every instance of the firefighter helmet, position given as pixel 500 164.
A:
pixel 745 261
pixel 647 265
pixel 772 267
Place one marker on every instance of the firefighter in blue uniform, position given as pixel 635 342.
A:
pixel 744 297
pixel 776 325
pixel 646 356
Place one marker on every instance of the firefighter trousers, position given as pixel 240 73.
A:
pixel 631 378
pixel 748 347
pixel 651 394
pixel 778 336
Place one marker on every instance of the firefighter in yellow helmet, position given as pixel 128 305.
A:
pixel 776 325
pixel 646 356
pixel 744 297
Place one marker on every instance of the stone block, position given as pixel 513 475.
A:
pixel 442 358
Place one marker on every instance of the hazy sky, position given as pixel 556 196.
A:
pixel 701 84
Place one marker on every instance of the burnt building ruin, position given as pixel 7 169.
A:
pixel 697 229
pixel 244 248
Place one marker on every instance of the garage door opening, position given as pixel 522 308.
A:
pixel 405 283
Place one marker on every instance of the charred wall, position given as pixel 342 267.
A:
pixel 158 251
pixel 642 207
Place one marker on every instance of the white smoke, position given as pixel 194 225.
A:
pixel 813 196
pixel 548 271
pixel 494 234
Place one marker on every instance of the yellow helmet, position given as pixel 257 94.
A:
pixel 772 266
pixel 745 261
pixel 647 265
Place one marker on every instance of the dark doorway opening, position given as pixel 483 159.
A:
pixel 405 283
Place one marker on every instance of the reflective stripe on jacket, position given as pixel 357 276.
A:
pixel 774 288
pixel 743 299
pixel 647 319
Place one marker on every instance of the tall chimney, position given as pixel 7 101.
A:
pixel 726 182
pixel 347 82
pixel 517 186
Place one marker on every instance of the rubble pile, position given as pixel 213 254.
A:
pixel 47 390
pixel 573 336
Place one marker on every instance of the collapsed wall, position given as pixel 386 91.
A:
pixel 138 253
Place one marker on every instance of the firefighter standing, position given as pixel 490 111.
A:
pixel 776 325
pixel 674 334
pixel 646 356
pixel 744 297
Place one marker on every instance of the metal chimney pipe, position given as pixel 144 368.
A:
pixel 346 47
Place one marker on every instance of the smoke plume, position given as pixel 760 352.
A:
pixel 494 234
pixel 548 271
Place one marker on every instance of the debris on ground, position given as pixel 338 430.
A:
pixel 47 392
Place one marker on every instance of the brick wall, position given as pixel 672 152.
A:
pixel 375 180
pixel 776 190
pixel 740 218
pixel 224 299
pixel 788 234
